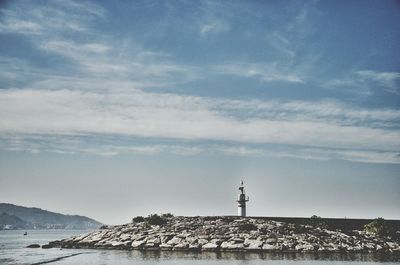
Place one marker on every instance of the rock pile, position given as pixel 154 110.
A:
pixel 228 234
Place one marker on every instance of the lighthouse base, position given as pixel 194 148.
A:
pixel 242 211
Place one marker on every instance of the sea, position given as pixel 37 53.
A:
pixel 13 251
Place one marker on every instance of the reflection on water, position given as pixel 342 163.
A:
pixel 175 255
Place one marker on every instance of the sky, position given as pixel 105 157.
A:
pixel 114 109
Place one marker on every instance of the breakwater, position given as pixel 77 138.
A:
pixel 233 234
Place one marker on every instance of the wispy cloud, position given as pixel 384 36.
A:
pixel 263 72
pixel 168 116
pixel 388 80
pixel 366 81
pixel 97 59
pixel 215 26
pixel 57 16
pixel 105 145
pixel 241 151
pixel 100 91
pixel 214 18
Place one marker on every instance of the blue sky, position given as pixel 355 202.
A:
pixel 226 86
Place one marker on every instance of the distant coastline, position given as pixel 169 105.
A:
pixel 230 234
pixel 14 217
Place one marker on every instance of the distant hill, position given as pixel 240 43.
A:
pixel 19 217
pixel 9 221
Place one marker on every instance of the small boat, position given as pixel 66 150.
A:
pixel 26 233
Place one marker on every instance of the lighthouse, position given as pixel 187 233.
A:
pixel 242 199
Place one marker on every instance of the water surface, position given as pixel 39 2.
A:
pixel 13 251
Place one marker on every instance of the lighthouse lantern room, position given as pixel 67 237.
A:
pixel 242 199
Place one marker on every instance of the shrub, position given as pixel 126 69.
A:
pixel 316 221
pixel 378 227
pixel 155 219
pixel 138 219
pixel 167 215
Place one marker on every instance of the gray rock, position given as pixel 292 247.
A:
pixel 253 244
pixel 182 246
pixel 194 246
pixel 47 246
pixel 175 241
pixel 271 240
pixel 231 245
pixel 210 247
pixel 166 246
pixel 305 247
pixel 138 244
pixel 202 241
pixel 33 246
pixel 270 247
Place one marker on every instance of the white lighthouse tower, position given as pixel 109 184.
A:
pixel 242 199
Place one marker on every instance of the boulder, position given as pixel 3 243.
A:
pixel 165 246
pixel 202 241
pixel 253 243
pixel 231 245
pixel 270 247
pixel 237 240
pixel 154 240
pixel 118 243
pixel 175 241
pixel 182 246
pixel 392 245
pixel 151 246
pixel 305 247
pixel 33 246
pixel 271 240
pixel 194 246
pixel 138 244
pixel 210 247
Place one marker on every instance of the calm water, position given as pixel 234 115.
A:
pixel 13 251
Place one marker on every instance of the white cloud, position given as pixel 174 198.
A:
pixel 365 81
pixel 263 72
pixel 54 17
pixel 101 96
pixel 241 151
pixel 91 62
pixel 105 145
pixel 365 156
pixel 385 79
pixel 215 26
pixel 168 116
pixel 214 18
pixel 20 26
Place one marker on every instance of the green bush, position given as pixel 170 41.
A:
pixel 138 219
pixel 167 215
pixel 378 227
pixel 155 219
pixel 316 221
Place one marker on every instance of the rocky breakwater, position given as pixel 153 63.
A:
pixel 228 234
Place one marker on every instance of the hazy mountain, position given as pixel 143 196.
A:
pixel 9 221
pixel 19 217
